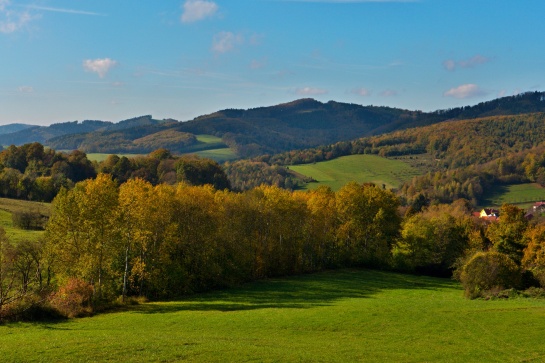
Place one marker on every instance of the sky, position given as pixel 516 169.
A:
pixel 67 60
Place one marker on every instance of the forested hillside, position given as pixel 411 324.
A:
pixel 43 134
pixel 462 158
pixel 266 130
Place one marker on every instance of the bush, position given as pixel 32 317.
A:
pixel 73 299
pixel 28 220
pixel 489 272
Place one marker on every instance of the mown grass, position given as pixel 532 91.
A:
pixel 336 316
pixel 9 206
pixel 360 168
pixel 522 195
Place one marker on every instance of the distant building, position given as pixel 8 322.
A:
pixel 490 214
pixel 539 207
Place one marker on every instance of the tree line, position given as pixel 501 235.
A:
pixel 106 241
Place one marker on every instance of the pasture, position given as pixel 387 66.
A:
pixel 522 195
pixel 335 316
pixel 360 168
pixel 8 206
pixel 98 157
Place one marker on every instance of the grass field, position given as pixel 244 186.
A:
pixel 8 206
pixel 219 155
pixel 98 157
pixel 522 195
pixel 209 146
pixel 338 316
pixel 361 168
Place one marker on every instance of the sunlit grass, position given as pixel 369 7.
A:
pixel 360 168
pixel 521 194
pixel 339 316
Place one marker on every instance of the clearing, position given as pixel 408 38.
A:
pixel 360 168
pixel 336 316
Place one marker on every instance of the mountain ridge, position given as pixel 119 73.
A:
pixel 297 124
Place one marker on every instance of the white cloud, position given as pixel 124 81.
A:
pixel 224 42
pixel 465 91
pixel 26 89
pixel 11 20
pixel 502 93
pixel 195 10
pixel 364 92
pixel 99 66
pixel 452 65
pixel 310 91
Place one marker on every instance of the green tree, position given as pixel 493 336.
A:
pixel 507 235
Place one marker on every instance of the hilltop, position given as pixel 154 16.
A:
pixel 300 124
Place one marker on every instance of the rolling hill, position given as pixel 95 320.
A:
pixel 300 124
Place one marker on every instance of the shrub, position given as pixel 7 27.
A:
pixel 28 220
pixel 73 299
pixel 488 272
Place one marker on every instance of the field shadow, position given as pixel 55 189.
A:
pixel 301 292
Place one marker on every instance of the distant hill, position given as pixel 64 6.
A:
pixel 11 128
pixel 300 124
pixel 43 134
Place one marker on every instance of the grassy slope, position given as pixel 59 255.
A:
pixel 210 147
pixel 340 316
pixel 520 194
pixel 361 168
pixel 7 206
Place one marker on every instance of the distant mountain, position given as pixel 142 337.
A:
pixel 299 124
pixel 11 128
pixel 43 134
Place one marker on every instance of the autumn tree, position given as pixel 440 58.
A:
pixel 82 232
pixel 369 223
pixel 507 235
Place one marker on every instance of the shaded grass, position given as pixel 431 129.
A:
pixel 219 155
pixel 336 316
pixel 360 168
pixel 522 195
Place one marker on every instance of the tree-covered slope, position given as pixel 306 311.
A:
pixel 295 125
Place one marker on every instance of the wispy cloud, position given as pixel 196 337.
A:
pixel 351 1
pixel 99 66
pixel 258 64
pixel 12 20
pixel 364 92
pixel 452 65
pixel 62 10
pixel 465 91
pixel 310 91
pixel 26 89
pixel 389 93
pixel 195 10
pixel 224 42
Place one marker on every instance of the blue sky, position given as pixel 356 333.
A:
pixel 66 60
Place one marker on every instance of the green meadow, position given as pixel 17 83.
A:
pixel 98 157
pixel 8 206
pixel 521 194
pixel 335 316
pixel 209 146
pixel 360 168
pixel 219 155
